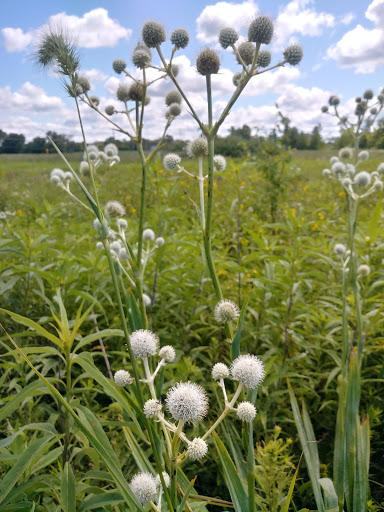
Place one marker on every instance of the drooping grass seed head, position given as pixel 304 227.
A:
pixel 148 234
pixel 152 408
pixel 246 51
pixel 264 59
pixel 143 486
pixel 109 110
pixel 246 411
pixel 57 48
pixel 122 377
pixel 228 37
pixel 197 147
pixel 167 353
pixel 95 101
pixel 225 311
pixel 363 270
pixel 368 94
pixel 346 153
pixel 159 242
pixel 334 101
pixel 363 178
pixel 293 54
pixel 261 30
pixel 180 38
pixel 140 58
pixel 197 449
pixel 173 97
pixel 171 161
pixel 220 371
pixel 114 209
pixel 237 77
pixel 208 62
pixel 174 109
pixel 219 163
pixel 119 65
pixel 187 402
pixel 122 93
pixel 339 249
pixel 153 34
pixel 248 370
pixel 144 343
pixel 166 479
pixel 363 155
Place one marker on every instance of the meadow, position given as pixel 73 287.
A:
pixel 286 268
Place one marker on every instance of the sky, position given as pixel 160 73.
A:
pixel 342 40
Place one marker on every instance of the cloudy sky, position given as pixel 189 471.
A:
pixel 343 44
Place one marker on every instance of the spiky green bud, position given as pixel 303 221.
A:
pixel 153 34
pixel 180 38
pixel 173 97
pixel 208 62
pixel 119 65
pixel 261 30
pixel 264 59
pixel 293 54
pixel 228 37
pixel 246 51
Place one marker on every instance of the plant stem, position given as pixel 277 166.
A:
pixel 201 190
pixel 224 414
pixel 251 470
pixel 68 396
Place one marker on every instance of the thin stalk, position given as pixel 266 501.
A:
pixel 251 470
pixel 173 458
pixel 201 190
pixel 68 396
pixel 224 414
pixel 105 355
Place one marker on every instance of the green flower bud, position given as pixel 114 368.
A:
pixel 293 54
pixel 174 109
pixel 141 59
pixel 246 51
pixel 110 110
pixel 95 101
pixel 264 59
pixel 173 97
pixel 122 93
pixel 119 65
pixel 180 38
pixel 368 94
pixel 227 37
pixel 153 34
pixel 208 62
pixel 261 30
pixel 334 101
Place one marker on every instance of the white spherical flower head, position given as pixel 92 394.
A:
pixel 248 370
pixel 146 300
pixel 58 172
pixel 143 486
pixel 148 234
pixel 116 246
pixel 96 225
pixel 220 371
pixel 159 241
pixel 219 163
pixel 152 408
pixel 167 353
pixel 346 153
pixel 114 209
pixel 55 180
pixel 144 343
pixel 380 168
pixel 225 311
pixel 187 402
pixel 338 167
pixel 333 160
pixel 166 478
pixel 122 378
pixel 171 161
pixel 197 449
pixel 364 270
pixel 339 249
pixel 197 147
pixel 122 223
pixel 246 411
pixel 122 254
pixel 100 245
pixel 363 155
pixel 363 178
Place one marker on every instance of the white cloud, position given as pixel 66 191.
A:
pixel 94 75
pixel 362 48
pixel 347 18
pixel 94 29
pixel 223 14
pixel 29 99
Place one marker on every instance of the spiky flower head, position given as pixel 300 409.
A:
pixel 56 48
pixel 119 65
pixel 159 241
pixel 225 311
pixel 55 180
pixel 368 94
pixel 84 168
pixel 122 93
pixel 152 408
pixel 171 161
pixel 197 448
pixel 380 168
pixel 143 486
pixel 140 58
pixel 58 172
pixel 144 343
pixel 122 378
pixel 219 163
pixel 363 155
pixel 110 110
pixel 174 109
pixel 339 249
pixel 261 30
pixel 95 100
pixel 122 254
pixel 378 185
pixel 167 353
pixel 180 38
pixel 361 108
pixel 197 147
pixel 97 225
pixel 153 34
pixel 220 371
pixel 207 62
pixel 148 234
pixel 364 270
pixel 114 209
pixel 334 100
pixel 246 51
pixel 346 153
pixel 173 97
pixel 236 79
pixel 326 173
pixel 338 167
pixel 248 370
pixel 187 402
pixel 373 111
pixel 363 178
pixel 228 37
pixel 246 411
pixel 166 479
pixel 293 54
pixel 380 98
pixel 175 70
pixel 136 92
pixel 83 83
pixel 324 109
pixel 264 59
pixel 333 160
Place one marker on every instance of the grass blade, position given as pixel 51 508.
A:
pixel 68 489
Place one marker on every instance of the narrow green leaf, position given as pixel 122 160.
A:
pixel 68 489
pixel 44 427
pixel 291 488
pixel 33 389
pixel 181 507
pixel 105 333
pixel 101 500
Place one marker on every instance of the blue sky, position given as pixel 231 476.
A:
pixel 343 44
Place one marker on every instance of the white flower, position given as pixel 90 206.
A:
pixel 55 180
pixel 143 486
pixel 166 478
pixel 167 353
pixel 248 370
pixel 97 225
pixel 219 162
pixel 122 378
pixel 363 155
pixel 333 160
pixel 338 167
pixel 116 246
pixel 58 172
pixel 171 161
pixel 363 178
pixel 152 408
pixel 148 234
pixel 220 371
pixel 146 300
pixel 339 249
pixel 364 270
pixel 326 173
pixel 122 254
pixel 246 411
pixel 225 311
pixel 187 402
pixel 144 343
pixel 122 223
pixel 100 245
pixel 114 209
pixel 197 448
pixel 159 241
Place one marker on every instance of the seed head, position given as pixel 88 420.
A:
pixel 236 79
pixel 378 185
pixel 261 30
pixel 361 108
pixel 368 94
pixel 380 98
pixel 174 109
pixel 95 100
pixel 122 254
pixel 166 479
pixel 140 58
pixel 119 65
pixel 246 51
pixel 144 343
pixel 264 59
pixel 225 311
pixel 373 111
pixel 110 110
pixel 136 92
pixel 363 178
pixel 346 153
pixel 334 100
pixel 363 155
pixel 187 402
pixel 197 448
pixel 153 34
pixel 148 234
pixel 208 62
pixel 173 97
pixel 333 160
pixel 171 161
pixel 326 173
pixel 248 370
pixel 84 168
pixel 219 163
pixel 114 209
pixel 246 411
pixel 159 241
pixel 197 147
pixel 167 353
pixel 220 371
pixel 143 486
pixel 228 37
pixel 338 167
pixel 55 180
pixel 364 270
pixel 339 249
pixel 293 54
pixel 111 149
pixel 380 168
pixel 83 83
pixel 324 109
pixel 122 93
pixel 180 38
pixel 122 378
pixel 152 408
pixel 58 172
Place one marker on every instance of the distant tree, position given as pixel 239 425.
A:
pixel 315 141
pixel 244 132
pixel 37 145
pixel 13 143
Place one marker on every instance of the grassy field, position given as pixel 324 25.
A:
pixel 293 322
